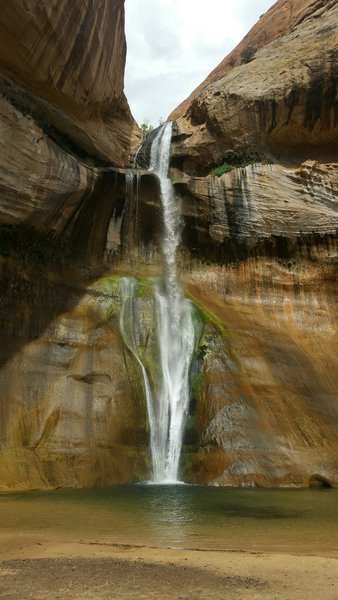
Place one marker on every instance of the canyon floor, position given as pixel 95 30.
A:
pixel 36 567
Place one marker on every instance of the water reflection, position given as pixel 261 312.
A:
pixel 169 511
pixel 181 516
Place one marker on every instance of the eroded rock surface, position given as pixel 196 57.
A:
pixel 258 253
pixel 64 123
pixel 261 209
pixel 255 163
pixel 63 113
pixel 41 185
pixel 266 404
pixel 72 402
pixel 280 19
pixel 65 64
pixel 282 104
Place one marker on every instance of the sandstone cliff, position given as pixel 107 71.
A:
pixel 64 123
pixel 62 108
pixel 280 106
pixel 255 163
pixel 63 62
pixel 258 254
pixel 279 20
pixel 72 405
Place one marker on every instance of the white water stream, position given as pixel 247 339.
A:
pixel 176 335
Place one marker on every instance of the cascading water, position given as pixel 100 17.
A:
pixel 176 336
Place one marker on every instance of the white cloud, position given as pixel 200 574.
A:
pixel 174 44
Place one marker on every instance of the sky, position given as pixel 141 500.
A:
pixel 172 45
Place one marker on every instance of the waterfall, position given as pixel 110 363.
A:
pixel 176 336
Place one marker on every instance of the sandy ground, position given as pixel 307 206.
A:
pixel 36 568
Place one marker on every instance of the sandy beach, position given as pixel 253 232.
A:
pixel 36 567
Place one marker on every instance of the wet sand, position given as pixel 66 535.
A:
pixel 39 567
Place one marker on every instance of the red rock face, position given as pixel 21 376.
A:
pixel 62 108
pixel 267 409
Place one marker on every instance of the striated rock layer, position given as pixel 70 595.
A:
pixel 41 185
pixel 63 113
pixel 279 20
pixel 64 122
pixel 281 106
pixel 255 162
pixel 266 409
pixel 64 63
pixel 262 266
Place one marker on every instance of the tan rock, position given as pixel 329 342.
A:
pixel 267 407
pixel 71 70
pixel 72 402
pixel 281 104
pixel 62 100
pixel 262 252
pixel 255 204
pixel 279 20
pixel 41 185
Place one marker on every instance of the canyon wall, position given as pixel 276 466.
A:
pixel 255 161
pixel 280 105
pixel 65 123
pixel 63 63
pixel 254 165
pixel 282 18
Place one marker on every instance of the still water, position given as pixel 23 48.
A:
pixel 181 516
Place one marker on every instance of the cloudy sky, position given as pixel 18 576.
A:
pixel 174 44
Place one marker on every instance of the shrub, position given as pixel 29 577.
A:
pixel 235 159
pixel 146 127
pixel 247 54
pixel 226 168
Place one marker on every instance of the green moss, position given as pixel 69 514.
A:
pixel 225 168
pixel 110 283
pixel 188 461
pixel 145 287
pixel 196 384
pixel 109 304
pixel 191 439
pixel 207 316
